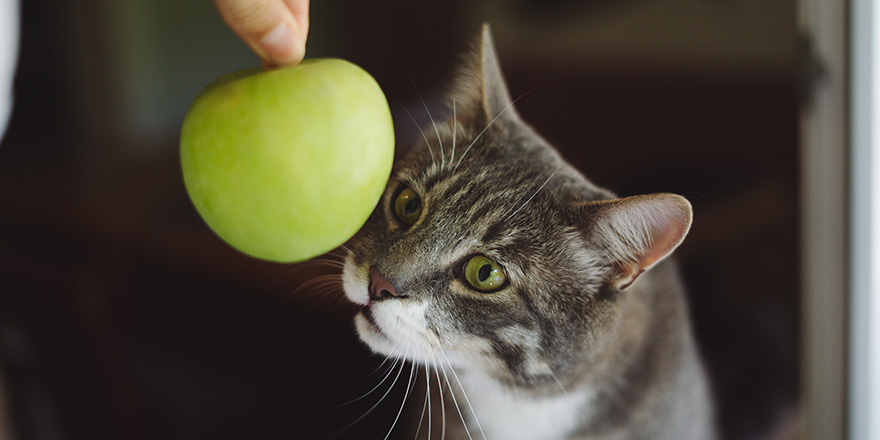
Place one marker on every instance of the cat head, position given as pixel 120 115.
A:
pixel 487 251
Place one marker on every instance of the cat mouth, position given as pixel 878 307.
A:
pixel 367 311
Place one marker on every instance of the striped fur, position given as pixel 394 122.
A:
pixel 581 340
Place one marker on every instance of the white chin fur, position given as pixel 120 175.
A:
pixel 400 331
pixel 355 283
pixel 373 337
pixel 402 328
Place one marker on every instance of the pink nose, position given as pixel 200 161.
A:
pixel 380 288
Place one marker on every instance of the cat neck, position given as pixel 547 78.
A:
pixel 614 399
pixel 504 412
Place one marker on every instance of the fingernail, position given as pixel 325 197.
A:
pixel 279 44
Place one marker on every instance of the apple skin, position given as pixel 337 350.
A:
pixel 287 164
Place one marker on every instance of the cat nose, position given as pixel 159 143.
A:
pixel 381 288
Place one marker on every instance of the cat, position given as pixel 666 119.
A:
pixel 530 303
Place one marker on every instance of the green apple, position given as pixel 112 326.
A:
pixel 287 164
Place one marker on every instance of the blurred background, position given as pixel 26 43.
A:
pixel 123 317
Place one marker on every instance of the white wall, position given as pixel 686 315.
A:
pixel 864 380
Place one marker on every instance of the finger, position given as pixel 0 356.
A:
pixel 268 27
pixel 300 11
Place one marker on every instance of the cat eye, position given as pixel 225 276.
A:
pixel 484 274
pixel 407 206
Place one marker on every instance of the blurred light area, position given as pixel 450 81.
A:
pixel 140 64
pixel 9 23
pixel 823 219
pixel 147 326
pixel 157 56
pixel 752 38
pixel 864 327
pixel 8 54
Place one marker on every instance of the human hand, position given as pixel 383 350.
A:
pixel 275 30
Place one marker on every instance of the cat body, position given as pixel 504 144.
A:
pixel 650 386
pixel 529 303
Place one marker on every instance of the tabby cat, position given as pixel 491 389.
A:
pixel 519 293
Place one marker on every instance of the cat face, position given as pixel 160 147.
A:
pixel 465 270
pixel 487 251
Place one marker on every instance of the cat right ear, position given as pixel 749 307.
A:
pixel 479 89
pixel 637 232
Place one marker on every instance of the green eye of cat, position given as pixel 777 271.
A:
pixel 483 274
pixel 407 206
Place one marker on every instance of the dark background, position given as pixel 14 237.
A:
pixel 123 317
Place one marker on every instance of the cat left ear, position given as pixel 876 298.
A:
pixel 638 232
pixel 496 98
pixel 479 88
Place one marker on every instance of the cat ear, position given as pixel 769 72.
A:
pixel 638 232
pixel 479 89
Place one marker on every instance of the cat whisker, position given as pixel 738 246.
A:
pixel 372 408
pixel 346 249
pixel 387 374
pixel 558 383
pixel 328 262
pixel 337 251
pixel 330 292
pixel 324 289
pixel 385 361
pixel 322 283
pixel 425 138
pixel 509 106
pixel 463 393
pixel 283 273
pixel 425 407
pixel 319 281
pixel 409 385
pixel 556 379
pixel 533 195
pixel 454 132
pixel 442 400
pixel 437 132
pixel 427 400
pixel 455 402
pixel 316 290
pixel 319 265
pixel 331 255
pixel 317 262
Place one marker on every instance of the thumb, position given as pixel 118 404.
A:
pixel 268 27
